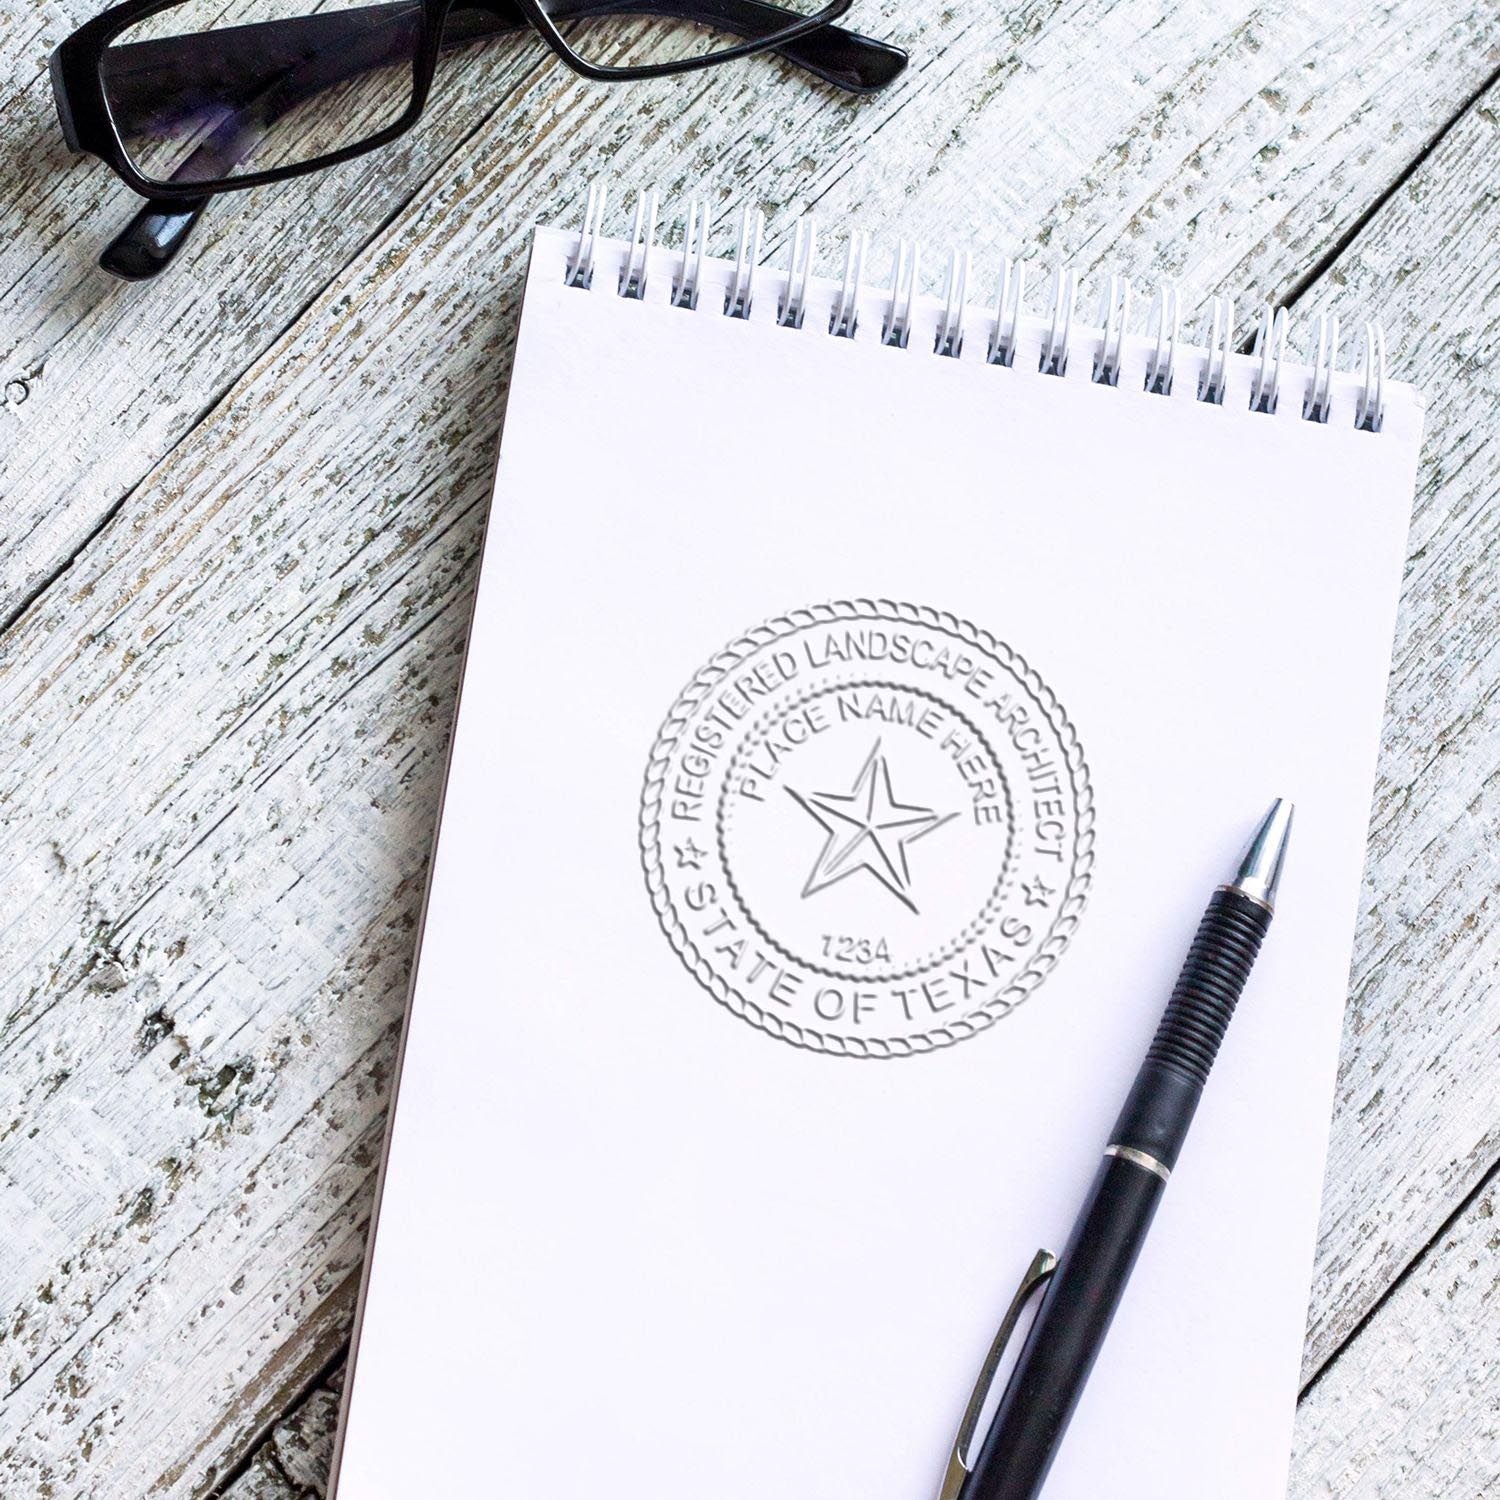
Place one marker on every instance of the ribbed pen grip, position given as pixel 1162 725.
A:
pixel 1160 1106
pixel 1212 978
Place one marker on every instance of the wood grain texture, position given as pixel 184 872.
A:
pixel 254 494
pixel 293 1461
pixel 1417 1120
pixel 1413 1408
pixel 1019 126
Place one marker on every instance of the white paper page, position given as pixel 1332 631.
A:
pixel 630 1243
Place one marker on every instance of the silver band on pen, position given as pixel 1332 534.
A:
pixel 1140 1159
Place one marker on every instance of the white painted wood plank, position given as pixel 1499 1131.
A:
pixel 232 715
pixel 1413 1407
pixel 1182 137
pixel 1417 1122
pixel 143 363
pixel 294 1459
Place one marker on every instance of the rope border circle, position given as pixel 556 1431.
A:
pixel 1041 963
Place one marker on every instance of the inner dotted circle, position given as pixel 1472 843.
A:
pixel 966 934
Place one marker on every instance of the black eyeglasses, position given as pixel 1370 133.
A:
pixel 187 98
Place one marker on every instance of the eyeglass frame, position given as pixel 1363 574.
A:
pixel 78 85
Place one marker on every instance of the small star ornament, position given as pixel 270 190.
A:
pixel 689 855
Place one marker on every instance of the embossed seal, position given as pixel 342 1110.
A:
pixel 867 828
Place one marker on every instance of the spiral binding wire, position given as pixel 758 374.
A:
pixel 1114 319
pixel 1370 412
pixel 1164 340
pixel 1165 325
pixel 642 238
pixel 843 321
pixel 1219 341
pixel 950 334
pixel 689 277
pixel 581 266
pixel 1058 341
pixel 793 306
pixel 741 295
pixel 1319 388
pixel 904 273
pixel 1270 345
pixel 1007 314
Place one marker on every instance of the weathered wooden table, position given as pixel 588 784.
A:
pixel 240 516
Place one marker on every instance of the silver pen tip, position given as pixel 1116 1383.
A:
pixel 1260 870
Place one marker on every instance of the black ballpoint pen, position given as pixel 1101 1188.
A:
pixel 1084 1284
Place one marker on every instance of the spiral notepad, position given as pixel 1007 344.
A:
pixel 865 685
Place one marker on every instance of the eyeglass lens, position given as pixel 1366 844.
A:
pixel 209 90
pixel 215 89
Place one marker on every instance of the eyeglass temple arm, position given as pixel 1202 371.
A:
pixel 159 229
pixel 843 58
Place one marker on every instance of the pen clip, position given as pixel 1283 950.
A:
pixel 1043 1264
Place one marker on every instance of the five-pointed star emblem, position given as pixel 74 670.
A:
pixel 867 830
